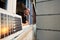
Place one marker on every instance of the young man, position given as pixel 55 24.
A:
pixel 23 11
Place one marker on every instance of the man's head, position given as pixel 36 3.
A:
pixel 27 11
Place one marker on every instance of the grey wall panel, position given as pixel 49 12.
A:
pixel 49 7
pixel 40 0
pixel 51 22
pixel 48 35
pixel 48 22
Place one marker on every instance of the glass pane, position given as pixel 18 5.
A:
pixel 3 4
pixel 27 3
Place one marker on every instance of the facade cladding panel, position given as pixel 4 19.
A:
pixel 48 20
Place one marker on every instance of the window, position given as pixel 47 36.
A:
pixel 3 4
pixel 27 3
pixel 20 7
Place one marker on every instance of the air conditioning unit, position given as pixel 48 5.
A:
pixel 9 24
